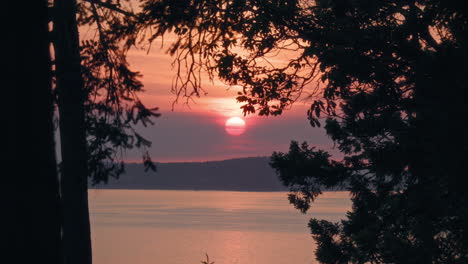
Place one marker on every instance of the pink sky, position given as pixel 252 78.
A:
pixel 195 132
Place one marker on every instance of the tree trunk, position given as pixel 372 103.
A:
pixel 76 227
pixel 33 222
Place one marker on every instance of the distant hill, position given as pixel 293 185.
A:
pixel 244 174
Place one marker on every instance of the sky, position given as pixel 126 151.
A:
pixel 196 131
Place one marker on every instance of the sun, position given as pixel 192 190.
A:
pixel 235 126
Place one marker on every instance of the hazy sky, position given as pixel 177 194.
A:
pixel 196 132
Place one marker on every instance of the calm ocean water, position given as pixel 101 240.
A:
pixel 179 227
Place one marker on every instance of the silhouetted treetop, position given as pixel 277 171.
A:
pixel 231 39
pixel 349 45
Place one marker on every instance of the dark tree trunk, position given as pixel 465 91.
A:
pixel 76 227
pixel 32 208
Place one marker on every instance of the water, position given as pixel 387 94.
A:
pixel 179 227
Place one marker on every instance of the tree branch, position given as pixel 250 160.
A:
pixel 111 7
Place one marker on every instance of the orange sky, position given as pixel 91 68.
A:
pixel 195 132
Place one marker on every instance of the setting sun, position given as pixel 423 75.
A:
pixel 235 126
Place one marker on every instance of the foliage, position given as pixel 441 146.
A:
pixel 113 107
pixel 231 39
pixel 384 64
pixel 389 78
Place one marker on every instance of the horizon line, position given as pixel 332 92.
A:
pixel 195 161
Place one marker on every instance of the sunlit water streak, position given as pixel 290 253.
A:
pixel 179 227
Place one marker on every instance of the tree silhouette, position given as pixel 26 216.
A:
pixel 74 168
pixel 387 76
pixel 31 202
pixel 113 107
pixel 98 110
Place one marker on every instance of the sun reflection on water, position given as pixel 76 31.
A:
pixel 178 227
